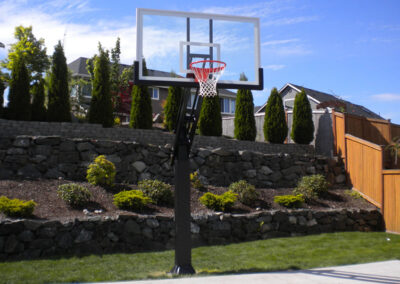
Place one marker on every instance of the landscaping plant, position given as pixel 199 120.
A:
pixel 131 200
pixel 2 88
pixel 223 202
pixel 172 107
pixel 275 126
pixel 58 105
pixel 16 207
pixel 394 148
pixel 246 192
pixel 38 109
pixel 312 186
pixel 101 109
pixel 290 201
pixel 303 125
pixel 210 120
pixel 158 191
pixel 195 181
pixel 101 172
pixel 74 194
pixel 245 124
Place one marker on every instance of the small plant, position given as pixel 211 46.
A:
pixel 394 148
pixel 101 172
pixel 131 200
pixel 16 207
pixel 74 194
pixel 289 201
pixel 158 191
pixel 195 181
pixel 353 193
pixel 312 186
pixel 223 202
pixel 117 121
pixel 247 193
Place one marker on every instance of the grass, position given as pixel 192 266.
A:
pixel 266 255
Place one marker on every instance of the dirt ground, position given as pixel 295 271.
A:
pixel 50 206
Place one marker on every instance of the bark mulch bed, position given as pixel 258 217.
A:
pixel 50 206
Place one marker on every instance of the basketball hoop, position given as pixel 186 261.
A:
pixel 207 73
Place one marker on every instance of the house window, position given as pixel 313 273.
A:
pixel 154 93
pixel 228 105
pixel 191 101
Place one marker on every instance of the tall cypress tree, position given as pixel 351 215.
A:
pixel 245 123
pixel 19 99
pixel 210 121
pixel 141 109
pixel 2 88
pixel 275 126
pixel 172 107
pixel 303 125
pixel 38 109
pixel 101 110
pixel 59 107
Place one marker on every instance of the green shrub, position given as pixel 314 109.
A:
pixel 312 186
pixel 354 194
pixel 210 120
pixel 74 194
pixel 290 201
pixel 245 124
pixel 223 202
pixel 158 191
pixel 303 125
pixel 247 193
pixel 172 107
pixel 101 172
pixel 195 181
pixel 131 200
pixel 16 207
pixel 275 127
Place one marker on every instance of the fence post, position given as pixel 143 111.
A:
pixel 344 138
pixel 334 132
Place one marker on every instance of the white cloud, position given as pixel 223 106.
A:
pixel 289 21
pixel 274 67
pixel 387 97
pixel 281 41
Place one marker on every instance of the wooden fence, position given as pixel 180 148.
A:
pixel 364 167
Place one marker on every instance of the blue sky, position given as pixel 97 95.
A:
pixel 347 48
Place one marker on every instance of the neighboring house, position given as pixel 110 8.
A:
pixel 323 134
pixel 158 93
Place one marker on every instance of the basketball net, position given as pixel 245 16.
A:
pixel 207 73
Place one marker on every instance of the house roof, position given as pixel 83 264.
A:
pixel 320 97
pixel 78 67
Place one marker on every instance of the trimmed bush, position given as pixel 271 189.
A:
pixel 210 120
pixel 2 88
pixel 158 191
pixel 131 200
pixel 19 98
pixel 141 109
pixel 16 207
pixel 223 202
pixel 101 108
pixel 172 107
pixel 38 109
pixel 303 125
pixel 58 107
pixel 195 181
pixel 247 193
pixel 275 126
pixel 290 201
pixel 74 194
pixel 245 123
pixel 312 186
pixel 101 172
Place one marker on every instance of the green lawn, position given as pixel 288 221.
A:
pixel 267 255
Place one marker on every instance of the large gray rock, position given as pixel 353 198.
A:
pixel 23 142
pixel 265 170
pixel 132 227
pixel 84 236
pixel 29 171
pixel 139 166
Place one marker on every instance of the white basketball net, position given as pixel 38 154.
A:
pixel 207 73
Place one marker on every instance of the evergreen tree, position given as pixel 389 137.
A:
pixel 58 107
pixel 101 110
pixel 19 100
pixel 2 88
pixel 172 107
pixel 38 109
pixel 141 109
pixel 303 125
pixel 115 77
pixel 245 123
pixel 275 126
pixel 210 121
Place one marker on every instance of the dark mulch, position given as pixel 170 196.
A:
pixel 50 206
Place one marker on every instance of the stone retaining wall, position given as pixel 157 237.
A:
pixel 54 157
pixel 13 128
pixel 132 233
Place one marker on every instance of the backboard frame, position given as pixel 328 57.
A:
pixel 140 79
